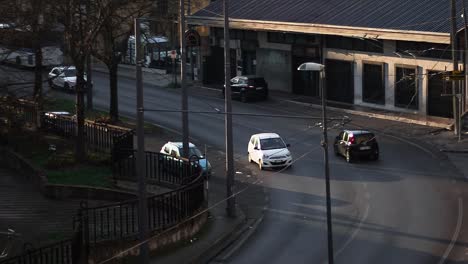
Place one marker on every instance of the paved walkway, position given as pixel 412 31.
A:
pixel 24 209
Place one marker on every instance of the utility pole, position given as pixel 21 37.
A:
pixel 456 113
pixel 465 61
pixel 326 167
pixel 231 201
pixel 140 168
pixel 89 71
pixel 185 121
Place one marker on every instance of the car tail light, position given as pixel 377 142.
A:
pixel 352 140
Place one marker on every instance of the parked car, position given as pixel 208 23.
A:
pixel 248 87
pixel 175 150
pixel 63 77
pixel 354 144
pixel 49 119
pixel 268 150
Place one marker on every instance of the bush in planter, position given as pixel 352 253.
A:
pixel 62 160
pixel 98 159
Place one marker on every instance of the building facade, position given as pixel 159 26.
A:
pixel 386 60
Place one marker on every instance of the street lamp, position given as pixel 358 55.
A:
pixel 311 66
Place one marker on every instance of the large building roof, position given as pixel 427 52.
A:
pixel 404 15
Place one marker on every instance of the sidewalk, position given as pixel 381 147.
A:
pixel 220 231
pixel 150 76
pixel 39 220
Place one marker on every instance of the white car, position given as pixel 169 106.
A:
pixel 63 77
pixel 268 150
pixel 175 149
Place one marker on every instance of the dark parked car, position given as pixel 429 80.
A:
pixel 354 144
pixel 248 87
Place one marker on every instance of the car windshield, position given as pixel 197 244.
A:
pixel 362 138
pixel 193 152
pixel 69 73
pixel 272 143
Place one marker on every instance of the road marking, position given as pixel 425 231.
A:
pixel 456 233
pixel 355 232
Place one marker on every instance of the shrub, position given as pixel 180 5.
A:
pixel 59 161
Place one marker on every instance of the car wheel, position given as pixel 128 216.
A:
pixel 260 164
pixel 374 156
pixel 66 87
pixel 250 159
pixel 243 98
pixel 51 84
pixel 349 159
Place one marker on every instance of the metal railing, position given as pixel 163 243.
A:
pixel 25 110
pixel 57 253
pixel 98 136
pixel 160 168
pixel 120 220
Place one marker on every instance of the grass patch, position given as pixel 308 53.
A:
pixel 82 175
pixel 59 165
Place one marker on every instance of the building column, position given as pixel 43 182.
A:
pixel 357 72
pixel 422 90
pixel 390 86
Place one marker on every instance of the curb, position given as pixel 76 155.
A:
pixel 462 151
pixel 218 246
pixel 362 113
pixel 374 115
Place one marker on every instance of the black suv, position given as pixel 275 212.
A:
pixel 248 87
pixel 356 143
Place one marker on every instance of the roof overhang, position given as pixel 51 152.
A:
pixel 360 32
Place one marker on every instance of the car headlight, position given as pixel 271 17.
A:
pixel 288 154
pixel 265 156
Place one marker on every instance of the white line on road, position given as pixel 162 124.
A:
pixel 456 233
pixel 355 232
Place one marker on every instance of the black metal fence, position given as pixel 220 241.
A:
pixel 21 109
pixel 120 220
pixel 57 253
pixel 98 136
pixel 160 168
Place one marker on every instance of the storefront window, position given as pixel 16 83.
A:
pixel 406 88
pixel 373 86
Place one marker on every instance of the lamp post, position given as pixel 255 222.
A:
pixel 316 67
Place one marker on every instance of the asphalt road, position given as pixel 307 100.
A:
pixel 404 208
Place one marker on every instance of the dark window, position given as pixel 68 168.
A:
pixel 373 86
pixel 406 88
pixel 423 49
pixel 257 81
pixel 357 44
pixel 272 143
pixel 287 38
pixel 362 138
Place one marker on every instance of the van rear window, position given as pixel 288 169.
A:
pixel 257 82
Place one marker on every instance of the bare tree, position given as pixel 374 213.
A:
pixel 112 43
pixel 80 31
